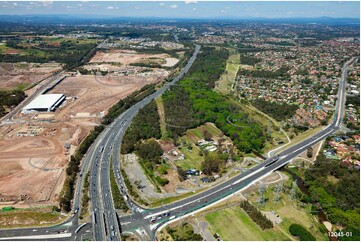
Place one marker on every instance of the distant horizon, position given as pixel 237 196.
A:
pixel 197 18
pixel 188 9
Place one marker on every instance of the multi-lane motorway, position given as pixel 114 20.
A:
pixel 105 152
pixel 140 220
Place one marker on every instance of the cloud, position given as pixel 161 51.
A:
pixel 47 2
pixel 110 7
pixel 173 6
pixel 161 4
pixel 194 9
pixel 190 2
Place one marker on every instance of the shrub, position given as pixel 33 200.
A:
pixel 301 232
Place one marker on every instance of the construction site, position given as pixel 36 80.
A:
pixel 127 57
pixel 37 144
pixel 22 75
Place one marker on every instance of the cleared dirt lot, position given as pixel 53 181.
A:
pixel 31 169
pixel 33 157
pixel 13 75
pixel 127 57
pixel 88 96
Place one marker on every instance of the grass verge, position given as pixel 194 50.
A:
pixel 163 128
pixel 224 85
pixel 119 202
pixel 31 217
pixel 85 199
pixel 239 226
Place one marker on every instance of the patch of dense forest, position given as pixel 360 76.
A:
pixel 10 99
pixel 335 188
pixel 301 232
pixel 68 53
pixel 194 102
pixel 145 125
pixel 184 232
pixel 278 111
pixel 257 216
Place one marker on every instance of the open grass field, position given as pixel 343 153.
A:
pixel 193 158
pixel 224 85
pixel 290 213
pixel 271 124
pixel 268 122
pixel 196 134
pixel 29 217
pixel 234 224
pixel 6 50
pixel 300 137
pixel 163 127
pixel 163 201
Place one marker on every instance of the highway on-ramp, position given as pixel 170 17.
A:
pixel 106 149
pixel 105 152
pixel 140 219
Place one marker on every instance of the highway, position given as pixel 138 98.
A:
pixel 140 219
pixel 105 152
pixel 107 149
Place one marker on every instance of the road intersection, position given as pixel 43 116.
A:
pixel 107 224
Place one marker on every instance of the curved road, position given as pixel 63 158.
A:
pixel 141 219
pixel 106 149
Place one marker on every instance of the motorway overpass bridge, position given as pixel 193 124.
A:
pixel 140 219
pixel 105 152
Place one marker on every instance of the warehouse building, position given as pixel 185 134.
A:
pixel 44 103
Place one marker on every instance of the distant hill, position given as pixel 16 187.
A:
pixel 101 19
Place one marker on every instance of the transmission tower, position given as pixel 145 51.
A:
pixel 293 191
pixel 261 192
pixel 276 190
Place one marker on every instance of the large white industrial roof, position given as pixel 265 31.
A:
pixel 45 101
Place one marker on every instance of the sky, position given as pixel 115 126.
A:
pixel 187 9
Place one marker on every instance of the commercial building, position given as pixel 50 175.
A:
pixel 44 103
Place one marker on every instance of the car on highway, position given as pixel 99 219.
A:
pixel 166 214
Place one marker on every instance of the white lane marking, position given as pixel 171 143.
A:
pixel 245 177
pixel 38 237
pixel 314 141
pixel 155 214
